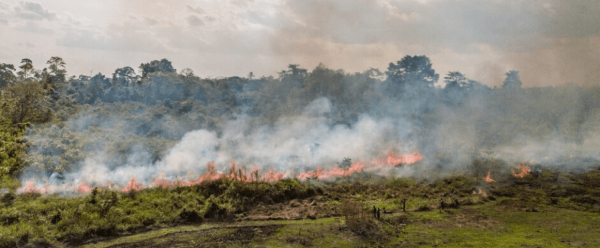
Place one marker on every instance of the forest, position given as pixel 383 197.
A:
pixel 52 122
pixel 60 131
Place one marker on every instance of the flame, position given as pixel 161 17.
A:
pixel 237 173
pixel 84 188
pixel 333 172
pixel 272 176
pixel 132 185
pixel 161 182
pixel 30 188
pixel 488 178
pixel 524 171
pixel 393 159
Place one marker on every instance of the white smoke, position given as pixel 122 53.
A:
pixel 291 145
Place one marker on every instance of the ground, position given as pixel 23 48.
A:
pixel 547 209
pixel 498 223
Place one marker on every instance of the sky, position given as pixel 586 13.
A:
pixel 550 42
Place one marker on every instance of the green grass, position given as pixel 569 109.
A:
pixel 484 226
pixel 520 215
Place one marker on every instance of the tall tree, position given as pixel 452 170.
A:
pixel 413 71
pixel 156 66
pixel 7 76
pixel 187 73
pixel 455 80
pixel 295 75
pixel 512 81
pixel 26 68
pixel 29 103
pixel 57 67
pixel 123 76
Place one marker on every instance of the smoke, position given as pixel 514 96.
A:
pixel 171 128
pixel 290 145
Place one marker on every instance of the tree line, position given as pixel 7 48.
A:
pixel 159 105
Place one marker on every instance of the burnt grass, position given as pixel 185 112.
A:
pixel 33 220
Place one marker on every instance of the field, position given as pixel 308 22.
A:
pixel 543 209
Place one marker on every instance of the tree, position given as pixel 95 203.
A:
pixel 55 78
pixel 28 101
pixel 294 76
pixel 7 76
pixel 413 71
pixel 57 67
pixel 324 82
pixel 26 68
pixel 375 73
pixel 156 66
pixel 123 76
pixel 455 80
pixel 296 72
pixel 476 86
pixel 512 81
pixel 187 73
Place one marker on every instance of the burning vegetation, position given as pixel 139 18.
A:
pixel 235 173
pixel 524 171
pixel 488 178
pixel 99 156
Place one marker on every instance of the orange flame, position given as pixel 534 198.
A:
pixel 393 159
pixel 272 176
pixel 524 171
pixel 160 182
pixel 84 188
pixel 489 179
pixel 333 172
pixel 30 188
pixel 132 185
pixel 237 173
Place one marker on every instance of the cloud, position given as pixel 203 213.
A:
pixel 151 21
pixel 196 10
pixel 34 27
pixel 34 11
pixel 194 21
pixel 124 37
pixel 26 44
pixel 479 38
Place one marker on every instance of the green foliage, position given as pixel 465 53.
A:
pixel 106 212
pixel 414 71
pixel 12 147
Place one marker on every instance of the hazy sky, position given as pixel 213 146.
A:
pixel 549 42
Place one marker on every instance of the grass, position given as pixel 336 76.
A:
pixel 474 226
pixel 520 215
pixel 554 228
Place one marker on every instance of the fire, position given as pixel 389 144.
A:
pixel 161 182
pixel 132 185
pixel 393 159
pixel 84 188
pixel 30 188
pixel 272 176
pixel 237 173
pixel 524 171
pixel 488 178
pixel 333 172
